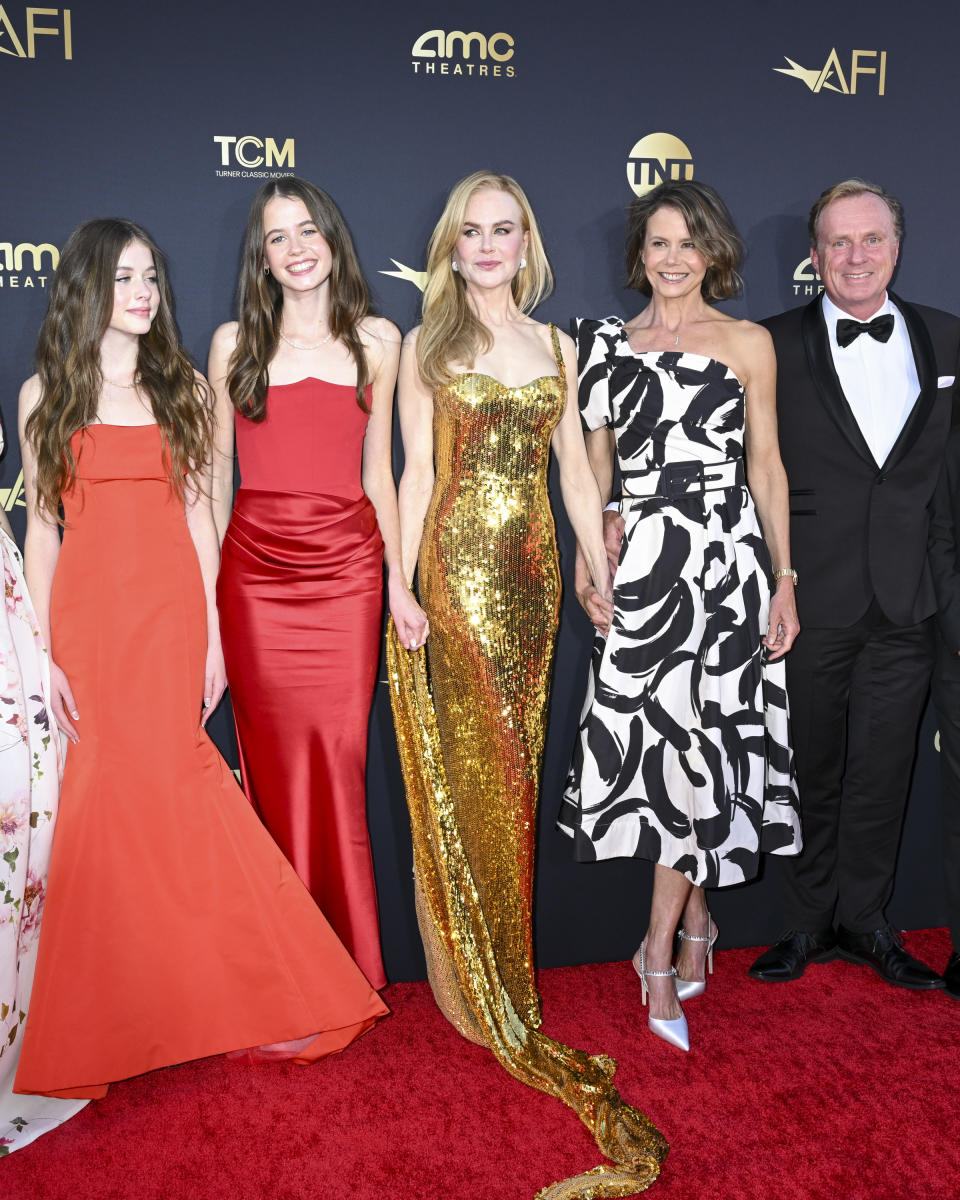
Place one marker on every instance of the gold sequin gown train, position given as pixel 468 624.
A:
pixel 471 742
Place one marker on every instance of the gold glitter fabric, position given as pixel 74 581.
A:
pixel 471 741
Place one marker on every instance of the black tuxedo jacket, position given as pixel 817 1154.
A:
pixel 945 551
pixel 859 530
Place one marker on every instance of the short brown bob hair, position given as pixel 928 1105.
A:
pixel 711 229
pixel 854 187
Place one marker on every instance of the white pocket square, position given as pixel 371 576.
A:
pixel 945 381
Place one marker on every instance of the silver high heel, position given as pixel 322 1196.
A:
pixel 688 989
pixel 675 1032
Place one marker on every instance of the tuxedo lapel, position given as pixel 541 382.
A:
pixel 925 359
pixel 820 361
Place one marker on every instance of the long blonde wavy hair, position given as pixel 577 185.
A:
pixel 68 363
pixel 451 331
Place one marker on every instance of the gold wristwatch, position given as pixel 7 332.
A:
pixel 778 575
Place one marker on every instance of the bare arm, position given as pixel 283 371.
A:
pixel 581 494
pixel 383 356
pixel 415 406
pixel 221 347
pixel 203 531
pixel 767 481
pixel 41 550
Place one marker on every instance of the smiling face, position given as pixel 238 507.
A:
pixel 856 253
pixel 492 239
pixel 136 292
pixel 674 266
pixel 294 249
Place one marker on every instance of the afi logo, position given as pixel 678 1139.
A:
pixel 831 77
pixel 499 46
pixel 9 497
pixel 35 25
pixel 253 152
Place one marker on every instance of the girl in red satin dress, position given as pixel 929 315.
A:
pixel 173 928
pixel 304 382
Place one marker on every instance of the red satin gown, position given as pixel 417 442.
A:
pixel 173 927
pixel 300 595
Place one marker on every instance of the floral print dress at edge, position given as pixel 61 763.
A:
pixel 30 768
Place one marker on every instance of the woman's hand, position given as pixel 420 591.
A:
pixel 62 704
pixel 409 618
pixel 214 680
pixel 784 624
pixel 598 606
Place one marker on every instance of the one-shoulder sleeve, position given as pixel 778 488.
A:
pixel 593 364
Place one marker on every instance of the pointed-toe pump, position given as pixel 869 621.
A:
pixel 688 989
pixel 675 1032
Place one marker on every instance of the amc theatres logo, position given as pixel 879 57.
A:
pixel 27 264
pixel 35 23
pixel 252 156
pixel 830 77
pixel 454 52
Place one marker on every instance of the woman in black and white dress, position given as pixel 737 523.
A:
pixel 684 755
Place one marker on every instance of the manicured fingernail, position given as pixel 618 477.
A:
pixel 75 715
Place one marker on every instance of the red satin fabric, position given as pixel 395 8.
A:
pixel 300 595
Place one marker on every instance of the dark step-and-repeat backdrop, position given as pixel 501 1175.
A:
pixel 173 115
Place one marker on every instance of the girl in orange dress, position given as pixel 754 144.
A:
pixel 174 928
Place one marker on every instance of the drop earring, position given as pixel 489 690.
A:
pixel 453 264
pixel 523 263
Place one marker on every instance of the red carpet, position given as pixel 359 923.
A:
pixel 835 1086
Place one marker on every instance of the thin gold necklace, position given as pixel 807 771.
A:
pixel 126 386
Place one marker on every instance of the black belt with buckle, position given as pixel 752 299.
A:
pixel 686 479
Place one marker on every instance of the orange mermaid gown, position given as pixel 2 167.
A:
pixel 174 928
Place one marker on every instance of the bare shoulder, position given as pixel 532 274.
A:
pixel 224 338
pixel 29 396
pixel 379 330
pixel 410 339
pixel 747 348
pixel 751 336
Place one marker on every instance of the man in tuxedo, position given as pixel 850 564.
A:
pixel 863 403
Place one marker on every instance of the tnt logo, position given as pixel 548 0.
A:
pixel 26 264
pixel 656 158
pixel 36 23
pixel 244 155
pixel 455 44
pixel 831 77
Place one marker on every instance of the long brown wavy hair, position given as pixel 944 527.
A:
pixel 451 330
pixel 260 297
pixel 68 363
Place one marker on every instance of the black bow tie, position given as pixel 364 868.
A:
pixel 880 328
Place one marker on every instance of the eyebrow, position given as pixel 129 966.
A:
pixel 299 225
pixel 124 267
pixel 475 225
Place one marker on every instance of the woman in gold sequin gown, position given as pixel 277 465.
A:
pixel 483 397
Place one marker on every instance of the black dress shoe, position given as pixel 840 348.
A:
pixel 882 949
pixel 951 976
pixel 788 958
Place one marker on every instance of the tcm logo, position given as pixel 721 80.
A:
pixel 806 282
pixel 870 63
pixel 37 22
pixel 455 44
pixel 243 156
pixel 656 158
pixel 27 264
pixel 13 497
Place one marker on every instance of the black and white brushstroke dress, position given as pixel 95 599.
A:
pixel 683 755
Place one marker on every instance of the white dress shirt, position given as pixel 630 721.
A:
pixel 879 379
